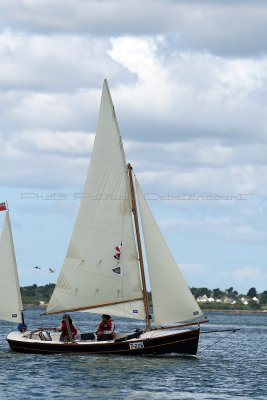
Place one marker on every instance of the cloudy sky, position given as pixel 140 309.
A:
pixel 189 84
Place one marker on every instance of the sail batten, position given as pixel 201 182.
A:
pixel 10 297
pixel 92 274
pixel 171 297
pixel 96 306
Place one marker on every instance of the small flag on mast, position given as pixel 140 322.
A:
pixel 118 253
pixel 117 270
pixel 3 206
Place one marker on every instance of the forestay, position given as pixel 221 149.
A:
pixel 10 297
pixel 91 277
pixel 172 299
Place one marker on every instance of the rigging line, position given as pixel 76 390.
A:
pixel 139 247
pixel 217 341
pixel 221 330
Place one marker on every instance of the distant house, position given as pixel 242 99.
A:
pixel 255 299
pixel 228 300
pixel 244 301
pixel 218 301
pixel 41 303
pixel 203 299
pixel 211 300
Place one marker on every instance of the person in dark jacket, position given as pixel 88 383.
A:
pixel 65 337
pixel 106 328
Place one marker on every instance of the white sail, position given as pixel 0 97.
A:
pixel 172 299
pixel 10 297
pixel 91 278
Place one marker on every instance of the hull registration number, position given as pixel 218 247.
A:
pixel 137 345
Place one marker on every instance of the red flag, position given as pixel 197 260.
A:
pixel 3 206
pixel 118 254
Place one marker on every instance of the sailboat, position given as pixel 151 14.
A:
pixel 104 270
pixel 11 308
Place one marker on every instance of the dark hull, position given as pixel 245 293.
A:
pixel 181 343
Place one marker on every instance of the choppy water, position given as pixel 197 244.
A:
pixel 235 368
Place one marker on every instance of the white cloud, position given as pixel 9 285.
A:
pixel 22 111
pixel 210 218
pixel 56 159
pixel 198 24
pixel 53 63
pixel 248 272
pixel 190 94
pixel 232 180
pixel 192 268
pixel 67 143
pixel 251 276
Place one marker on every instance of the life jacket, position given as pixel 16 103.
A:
pixel 106 326
pixel 64 328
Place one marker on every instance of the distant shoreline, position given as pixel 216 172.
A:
pixel 211 310
pixel 236 311
pixel 34 305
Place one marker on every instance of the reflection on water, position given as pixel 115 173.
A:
pixel 234 368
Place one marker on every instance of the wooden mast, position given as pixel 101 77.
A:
pixel 140 254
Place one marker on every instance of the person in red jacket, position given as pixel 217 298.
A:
pixel 105 330
pixel 65 337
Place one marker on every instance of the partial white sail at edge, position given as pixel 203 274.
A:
pixel 10 297
pixel 91 278
pixel 172 299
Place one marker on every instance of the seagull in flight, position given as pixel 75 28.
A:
pixel 36 267
pixel 51 270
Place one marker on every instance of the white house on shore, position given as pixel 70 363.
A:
pixel 244 301
pixel 228 300
pixel 255 299
pixel 205 299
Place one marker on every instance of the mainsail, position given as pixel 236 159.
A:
pixel 10 297
pixel 94 277
pixel 172 299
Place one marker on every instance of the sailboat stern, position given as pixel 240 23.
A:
pixel 183 342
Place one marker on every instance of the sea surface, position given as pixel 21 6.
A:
pixel 227 367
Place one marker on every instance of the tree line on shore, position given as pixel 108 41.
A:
pixel 231 299
pixel 217 298
pixel 36 294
